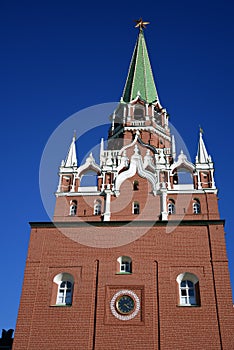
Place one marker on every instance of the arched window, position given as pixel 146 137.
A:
pixel 135 185
pixel 158 118
pixel 65 282
pixel 88 179
pixel 188 289
pixel 135 208
pixel 139 113
pixel 171 207
pixel 196 206
pixel 97 207
pixel 73 207
pixel 184 176
pixel 125 264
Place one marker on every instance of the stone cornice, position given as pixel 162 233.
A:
pixel 134 223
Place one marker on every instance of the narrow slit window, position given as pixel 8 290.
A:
pixel 136 208
pixel 73 208
pixel 135 185
pixel 171 207
pixel 196 207
pixel 97 209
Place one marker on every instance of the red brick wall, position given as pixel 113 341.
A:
pixel 121 207
pixel 158 257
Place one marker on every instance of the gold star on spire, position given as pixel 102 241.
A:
pixel 201 130
pixel 140 23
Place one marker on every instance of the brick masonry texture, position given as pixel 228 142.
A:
pixel 158 258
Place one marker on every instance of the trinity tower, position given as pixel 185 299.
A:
pixel 136 260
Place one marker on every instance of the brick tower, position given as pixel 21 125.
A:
pixel 137 261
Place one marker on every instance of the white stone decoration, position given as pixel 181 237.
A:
pixel 182 162
pixel 113 302
pixel 90 164
pixel 136 166
pixel 71 159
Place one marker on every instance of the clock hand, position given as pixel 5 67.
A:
pixel 126 305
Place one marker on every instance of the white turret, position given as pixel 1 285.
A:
pixel 71 159
pixel 204 166
pixel 202 154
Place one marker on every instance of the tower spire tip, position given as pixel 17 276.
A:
pixel 140 23
pixel 201 130
pixel 74 134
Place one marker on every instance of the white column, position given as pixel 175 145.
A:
pixel 199 186
pixel 125 112
pixel 164 213
pixel 212 178
pixel 147 109
pixel 73 183
pixel 60 182
pixel 166 119
pixel 107 213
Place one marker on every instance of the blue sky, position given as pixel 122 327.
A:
pixel 59 57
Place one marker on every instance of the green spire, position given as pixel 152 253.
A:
pixel 140 78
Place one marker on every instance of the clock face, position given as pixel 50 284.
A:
pixel 125 304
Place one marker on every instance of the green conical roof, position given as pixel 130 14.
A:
pixel 140 77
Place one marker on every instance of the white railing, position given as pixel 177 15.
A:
pixel 138 123
pixel 110 153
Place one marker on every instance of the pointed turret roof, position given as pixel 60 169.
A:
pixel 202 154
pixel 71 159
pixel 140 80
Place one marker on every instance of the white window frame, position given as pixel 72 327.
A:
pixel 188 293
pixel 65 286
pixel 125 264
pixel 64 295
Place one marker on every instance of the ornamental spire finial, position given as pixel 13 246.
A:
pixel 74 134
pixel 201 130
pixel 140 23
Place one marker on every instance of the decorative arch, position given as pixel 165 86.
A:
pixel 130 144
pixel 182 163
pixel 89 165
pixel 136 166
